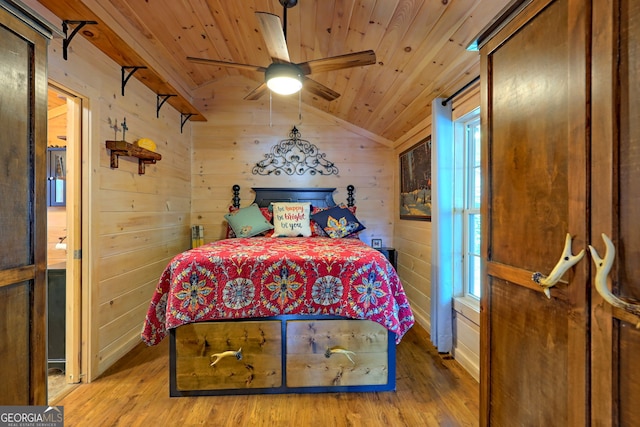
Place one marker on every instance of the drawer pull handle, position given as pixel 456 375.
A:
pixel 567 260
pixel 339 350
pixel 603 267
pixel 219 356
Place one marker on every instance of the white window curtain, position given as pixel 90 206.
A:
pixel 442 178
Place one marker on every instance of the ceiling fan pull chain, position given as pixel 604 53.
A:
pixel 270 109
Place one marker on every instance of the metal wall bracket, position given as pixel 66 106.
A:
pixel 126 78
pixel 67 39
pixel 159 103
pixel 184 118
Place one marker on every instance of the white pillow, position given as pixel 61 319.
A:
pixel 291 219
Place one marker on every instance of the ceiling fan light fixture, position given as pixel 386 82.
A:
pixel 284 79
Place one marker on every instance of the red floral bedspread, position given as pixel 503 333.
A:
pixel 263 276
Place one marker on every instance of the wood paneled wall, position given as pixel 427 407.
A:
pixel 239 133
pixel 413 241
pixel 143 220
pixel 57 124
pixel 413 238
pixel 56 229
pixel 134 224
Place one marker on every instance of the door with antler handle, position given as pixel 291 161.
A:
pixel 560 325
pixel 534 307
pixel 615 214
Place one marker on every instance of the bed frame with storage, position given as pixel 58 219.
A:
pixel 282 354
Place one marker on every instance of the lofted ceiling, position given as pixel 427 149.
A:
pixel 420 48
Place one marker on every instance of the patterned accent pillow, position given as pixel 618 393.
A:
pixel 316 229
pixel 291 219
pixel 266 212
pixel 338 222
pixel 248 222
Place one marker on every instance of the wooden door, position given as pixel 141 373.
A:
pixel 615 385
pixel 534 349
pixel 23 105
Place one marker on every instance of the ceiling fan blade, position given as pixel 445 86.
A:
pixel 273 35
pixel 226 64
pixel 257 93
pixel 319 89
pixel 339 62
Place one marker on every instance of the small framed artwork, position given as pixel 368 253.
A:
pixel 376 243
pixel 415 182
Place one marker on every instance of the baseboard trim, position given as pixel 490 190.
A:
pixel 468 360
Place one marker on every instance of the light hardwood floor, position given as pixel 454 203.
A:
pixel 432 390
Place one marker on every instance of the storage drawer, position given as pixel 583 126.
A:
pixel 309 342
pixel 260 366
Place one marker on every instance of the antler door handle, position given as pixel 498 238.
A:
pixel 603 267
pixel 339 350
pixel 219 356
pixel 567 260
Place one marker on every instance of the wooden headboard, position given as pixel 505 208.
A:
pixel 318 197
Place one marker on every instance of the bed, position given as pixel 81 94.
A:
pixel 260 312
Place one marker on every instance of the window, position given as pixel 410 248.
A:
pixel 467 188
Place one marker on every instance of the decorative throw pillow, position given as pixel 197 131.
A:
pixel 316 229
pixel 248 222
pixel 266 212
pixel 291 219
pixel 338 222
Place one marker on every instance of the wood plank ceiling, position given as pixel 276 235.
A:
pixel 420 48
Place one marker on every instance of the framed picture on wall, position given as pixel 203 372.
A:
pixel 415 182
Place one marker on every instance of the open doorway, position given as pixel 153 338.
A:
pixel 64 142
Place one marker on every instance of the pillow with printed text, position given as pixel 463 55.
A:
pixel 291 219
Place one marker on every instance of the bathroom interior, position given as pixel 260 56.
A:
pixel 56 239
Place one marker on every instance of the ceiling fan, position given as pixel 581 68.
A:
pixel 291 77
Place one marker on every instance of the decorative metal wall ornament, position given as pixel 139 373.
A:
pixel 295 156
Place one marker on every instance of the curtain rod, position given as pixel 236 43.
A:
pixel 459 91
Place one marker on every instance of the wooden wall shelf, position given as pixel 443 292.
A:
pixel 124 148
pixel 115 47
